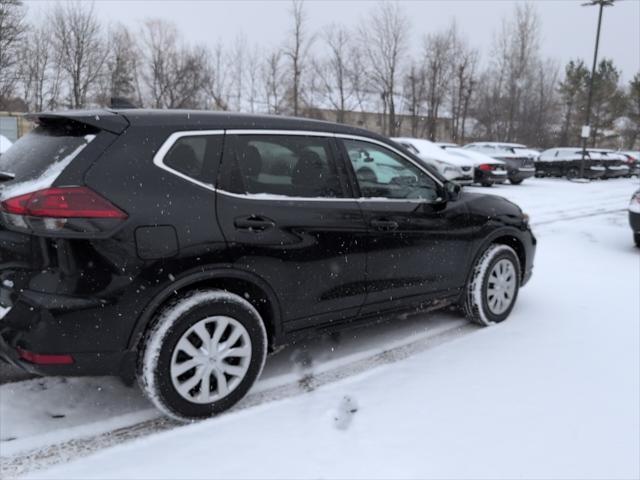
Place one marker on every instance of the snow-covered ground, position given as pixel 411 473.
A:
pixel 551 393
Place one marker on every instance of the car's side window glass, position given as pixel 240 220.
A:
pixel 196 156
pixel 284 165
pixel 383 173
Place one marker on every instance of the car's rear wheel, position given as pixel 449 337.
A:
pixel 493 287
pixel 636 238
pixel 202 354
pixel 515 181
pixel 572 173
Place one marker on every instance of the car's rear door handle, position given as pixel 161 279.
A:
pixel 384 225
pixel 254 223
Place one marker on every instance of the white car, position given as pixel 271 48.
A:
pixel 519 159
pixel 451 167
pixel 487 170
pixel 5 143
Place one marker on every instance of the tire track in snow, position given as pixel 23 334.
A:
pixel 38 459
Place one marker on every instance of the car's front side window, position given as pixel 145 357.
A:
pixel 282 165
pixel 383 173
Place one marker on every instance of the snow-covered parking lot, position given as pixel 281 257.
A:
pixel 554 392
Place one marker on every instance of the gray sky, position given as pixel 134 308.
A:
pixel 568 30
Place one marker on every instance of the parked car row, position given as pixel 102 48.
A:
pixel 464 166
pixel 598 163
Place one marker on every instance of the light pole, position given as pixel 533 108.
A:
pixel 586 129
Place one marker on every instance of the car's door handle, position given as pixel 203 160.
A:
pixel 254 223
pixel 385 225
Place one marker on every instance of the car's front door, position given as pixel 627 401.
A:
pixel 283 205
pixel 417 242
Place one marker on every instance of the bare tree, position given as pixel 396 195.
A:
pixel 12 27
pixel 159 42
pixel 78 38
pixel 253 77
pixel 216 85
pixel 415 95
pixel 384 40
pixel 274 75
pixel 438 53
pixel 40 74
pixel 177 75
pixel 296 50
pixel 515 58
pixel 123 65
pixel 463 83
pixel 334 71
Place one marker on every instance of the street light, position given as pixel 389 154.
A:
pixel 586 129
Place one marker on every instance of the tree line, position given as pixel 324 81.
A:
pixel 68 58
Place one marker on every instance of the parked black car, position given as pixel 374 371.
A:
pixel 181 246
pixel 616 164
pixel 566 162
pixel 634 217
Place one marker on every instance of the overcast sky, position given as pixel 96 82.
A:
pixel 568 29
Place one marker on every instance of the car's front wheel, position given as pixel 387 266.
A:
pixel 493 287
pixel 515 181
pixel 636 238
pixel 202 354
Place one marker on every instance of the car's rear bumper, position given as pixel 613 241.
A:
pixel 520 174
pixel 47 334
pixel 617 171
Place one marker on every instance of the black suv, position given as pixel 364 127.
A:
pixel 181 246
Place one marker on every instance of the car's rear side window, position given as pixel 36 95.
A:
pixel 35 153
pixel 196 156
pixel 284 165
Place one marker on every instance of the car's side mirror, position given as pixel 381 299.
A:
pixel 452 191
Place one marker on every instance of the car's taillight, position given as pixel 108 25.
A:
pixel 64 210
pixel 65 202
pixel 485 167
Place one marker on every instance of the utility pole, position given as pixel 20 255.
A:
pixel 586 128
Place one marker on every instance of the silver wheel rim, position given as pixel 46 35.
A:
pixel 210 359
pixel 501 287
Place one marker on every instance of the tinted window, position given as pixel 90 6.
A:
pixel 196 156
pixel 294 166
pixel 38 151
pixel 383 173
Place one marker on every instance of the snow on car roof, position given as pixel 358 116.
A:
pixel 430 151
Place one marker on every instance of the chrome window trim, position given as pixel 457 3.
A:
pixel 158 161
pixel 158 158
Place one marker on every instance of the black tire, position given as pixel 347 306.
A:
pixel 170 326
pixel 572 173
pixel 516 182
pixel 487 184
pixel 636 239
pixel 476 302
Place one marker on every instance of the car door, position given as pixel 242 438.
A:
pixel 284 208
pixel 416 244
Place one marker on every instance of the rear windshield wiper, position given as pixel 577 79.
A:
pixel 5 176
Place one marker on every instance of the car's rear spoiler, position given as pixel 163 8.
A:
pixel 103 119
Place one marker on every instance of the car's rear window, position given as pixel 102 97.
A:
pixel 43 147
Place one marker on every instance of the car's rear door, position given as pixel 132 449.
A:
pixel 284 208
pixel 416 242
